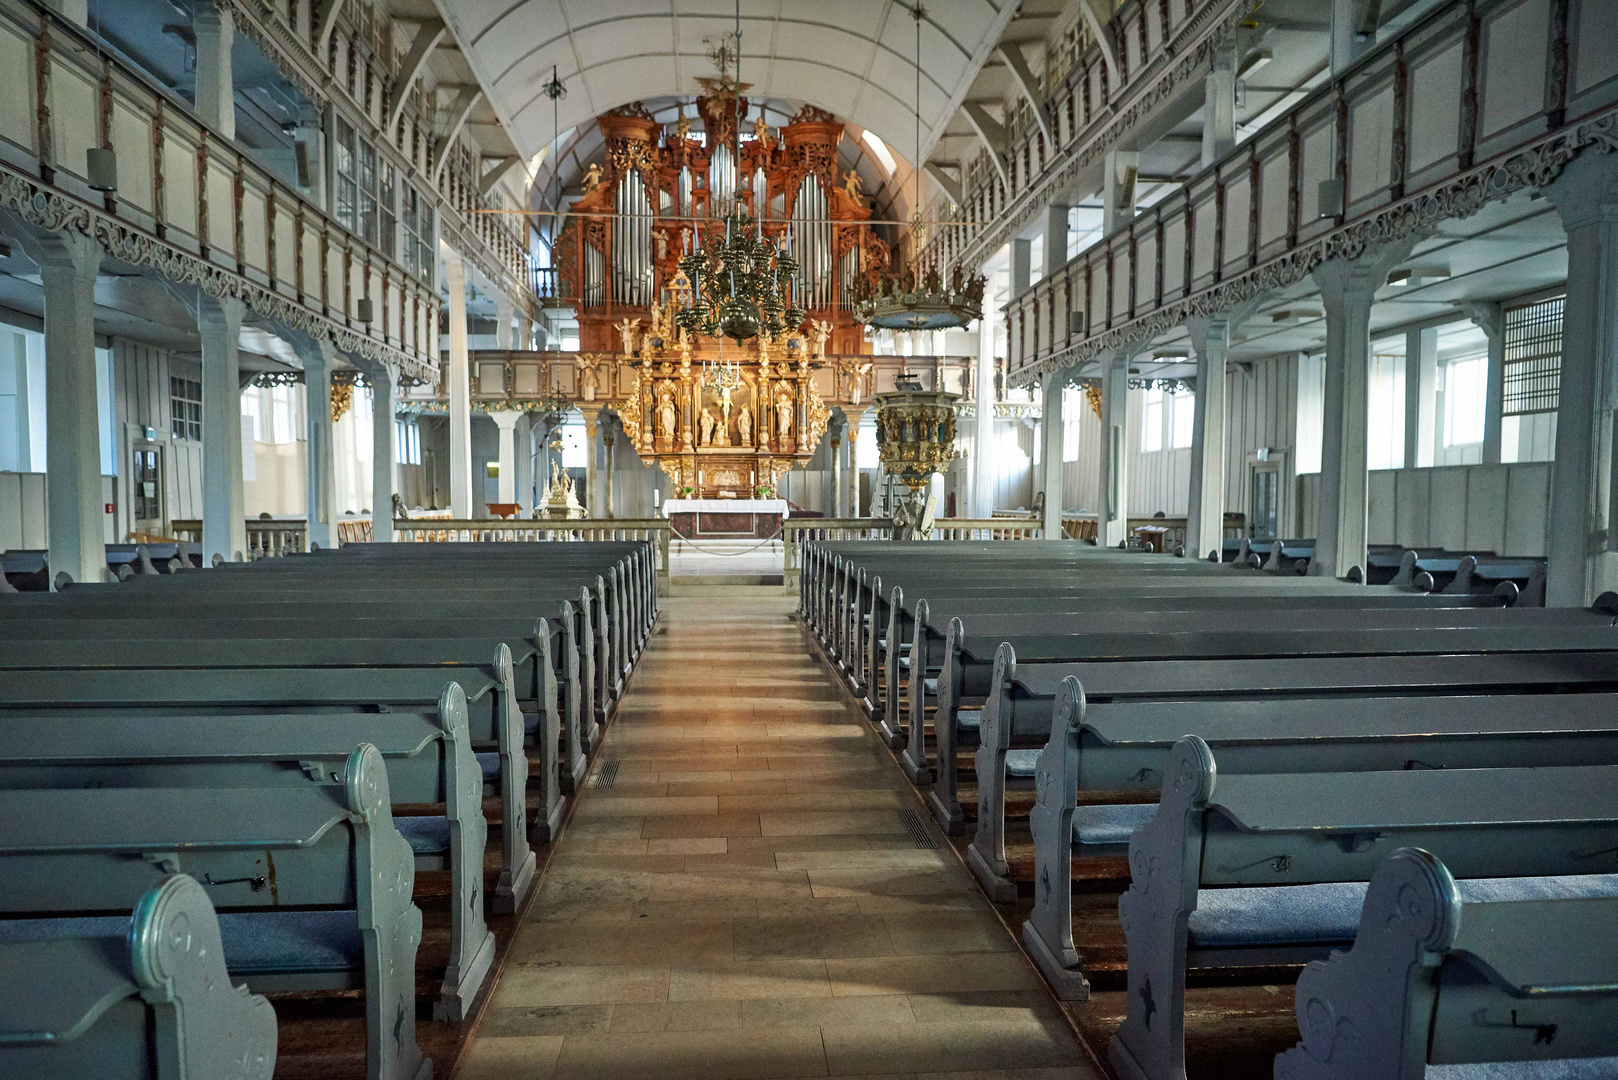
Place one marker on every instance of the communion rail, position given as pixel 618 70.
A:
pixel 436 530
pixel 794 531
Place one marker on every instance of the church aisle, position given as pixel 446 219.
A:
pixel 739 895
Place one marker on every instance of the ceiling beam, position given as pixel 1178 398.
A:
pixel 991 133
pixel 328 23
pixel 1101 30
pixel 428 35
pixel 951 186
pixel 465 102
pixel 496 174
pixel 1011 52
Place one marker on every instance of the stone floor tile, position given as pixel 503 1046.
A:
pixel 595 809
pixel 527 985
pixel 920 934
pixel 687 845
pixel 814 936
pixel 826 1012
pixel 742 979
pixel 530 1057
pixel 876 881
pixel 682 1055
pixel 672 941
pixel 677 1016
pixel 934 1047
pixel 810 822
pixel 545 1020
pixel 736 824
pixel 931 974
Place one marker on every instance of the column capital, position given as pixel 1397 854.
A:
pixel 1586 191
pixel 505 419
pixel 67 250
pixel 1487 315
pixel 221 313
pixel 1360 276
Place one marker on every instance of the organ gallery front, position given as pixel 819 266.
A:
pixel 721 418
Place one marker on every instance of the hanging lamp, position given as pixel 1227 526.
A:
pixel 917 297
pixel 742 287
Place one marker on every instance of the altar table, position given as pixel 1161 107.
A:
pixel 726 519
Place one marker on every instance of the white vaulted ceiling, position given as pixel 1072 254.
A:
pixel 852 58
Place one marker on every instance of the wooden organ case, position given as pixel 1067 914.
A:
pixel 660 189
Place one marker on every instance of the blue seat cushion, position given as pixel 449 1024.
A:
pixel 275 942
pixel 1110 824
pixel 1330 912
pixel 1280 915
pixel 490 764
pixel 427 835
pixel 904 663
pixel 530 722
pixel 930 686
pixel 969 718
pixel 1602 1068
pixel 1021 762
pixel 107 926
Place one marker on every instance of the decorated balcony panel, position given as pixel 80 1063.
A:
pixel 189 206
pixel 1163 46
pixel 1477 101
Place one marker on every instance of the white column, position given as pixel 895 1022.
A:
pixel 318 357
pixel 1580 544
pixel 1205 524
pixel 1347 44
pixel 224 522
pixel 1113 526
pixel 1118 189
pixel 1055 239
pixel 215 28
pixel 1347 287
pixel 506 421
pixel 1022 254
pixel 505 312
pixel 1051 453
pixel 592 420
pixel 312 140
pixel 836 502
pixel 460 392
pixel 1421 388
pixel 74 11
pixel 525 333
pixel 1219 107
pixel 983 426
pixel 523 478
pixel 74 515
pixel 382 382
pixel 608 441
pixel 1490 317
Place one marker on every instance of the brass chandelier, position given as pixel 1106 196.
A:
pixel 743 287
pixel 918 298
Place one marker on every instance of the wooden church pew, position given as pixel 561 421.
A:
pixel 1098 753
pixel 315 882
pixel 1447 972
pixel 92 998
pixel 428 755
pixel 1235 871
pixel 142 690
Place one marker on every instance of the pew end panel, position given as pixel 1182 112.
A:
pixel 986 855
pixel 547 821
pixel 1436 978
pixel 472 946
pixel 1048 933
pixel 97 997
pixel 389 922
pixel 914 756
pixel 944 798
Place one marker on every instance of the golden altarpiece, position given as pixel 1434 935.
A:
pixel 720 419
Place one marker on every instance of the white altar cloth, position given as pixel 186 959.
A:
pixel 725 506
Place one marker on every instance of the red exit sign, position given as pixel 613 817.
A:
pixel 109 508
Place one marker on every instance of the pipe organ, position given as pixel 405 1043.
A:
pixel 733 427
pixel 659 189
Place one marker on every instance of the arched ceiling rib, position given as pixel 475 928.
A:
pixel 852 58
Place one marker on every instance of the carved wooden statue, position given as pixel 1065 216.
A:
pixel 783 416
pixel 667 426
pixel 744 427
pixel 706 428
pixel 589 381
pixel 626 331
